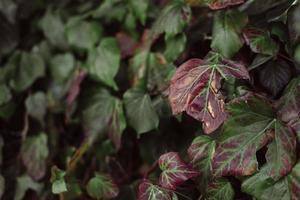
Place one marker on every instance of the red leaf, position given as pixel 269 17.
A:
pixel 174 171
pixel 149 191
pixel 127 44
pixel 195 88
pixel 75 87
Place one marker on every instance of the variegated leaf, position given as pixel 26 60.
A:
pixel 220 189
pixel 246 131
pixel 281 154
pixel 174 171
pixel 262 187
pixel 149 191
pixel 201 153
pixel 195 88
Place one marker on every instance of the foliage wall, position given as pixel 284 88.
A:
pixel 150 99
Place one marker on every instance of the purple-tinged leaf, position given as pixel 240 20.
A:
pixel 149 191
pixel 201 153
pixel 281 154
pixel 174 171
pixel 101 186
pixel 195 88
pixel 246 131
pixel 260 41
pixel 216 4
pixel 262 187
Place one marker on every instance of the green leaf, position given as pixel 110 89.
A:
pixel 102 187
pixel 5 94
pixel 293 18
pixel 34 153
pixel 58 181
pixel 174 47
pixel 220 189
pixel 25 183
pixel 281 154
pixel 172 19
pixel 201 153
pixel 62 66
pixel 262 187
pixel 98 102
pixel 54 29
pixel 104 61
pixel 83 34
pixel 227 30
pixel 244 133
pixel 27 71
pixel 260 41
pixel 139 8
pixel 36 106
pixel 140 112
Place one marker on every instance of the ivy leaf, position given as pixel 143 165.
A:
pixel 261 186
pixel 5 94
pixel 173 19
pixel 281 154
pixel 34 153
pixel 201 154
pixel 30 68
pixel 174 46
pixel 293 18
pixel 220 189
pixel 216 4
pixel 195 88
pixel 126 43
pixel 54 29
pixel 83 34
pixel 101 186
pixel 227 29
pixel 104 61
pixel 58 181
pixel 174 171
pixel 149 191
pixel 260 41
pixel 25 183
pixel 274 76
pixel 61 67
pixel 36 105
pixel 244 133
pixel 289 105
pixel 95 122
pixel 140 112
pixel 139 8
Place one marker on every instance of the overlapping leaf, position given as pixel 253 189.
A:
pixel 174 170
pixel 149 191
pixel 260 41
pixel 220 189
pixel 262 187
pixel 195 88
pixel 227 32
pixel 244 133
pixel 102 187
pixel 201 154
pixel 113 122
pixel 251 127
